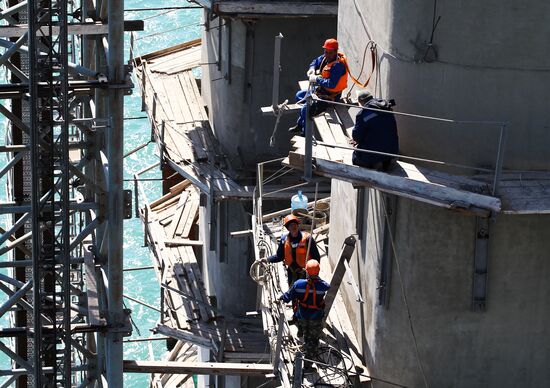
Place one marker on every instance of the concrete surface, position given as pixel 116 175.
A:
pixel 235 106
pixel 489 66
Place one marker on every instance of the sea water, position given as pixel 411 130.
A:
pixel 163 28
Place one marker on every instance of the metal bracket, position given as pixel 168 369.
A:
pixel 387 253
pixel 481 254
pixel 127 204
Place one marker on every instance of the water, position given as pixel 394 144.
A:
pixel 182 26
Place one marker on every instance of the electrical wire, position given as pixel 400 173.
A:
pixel 166 31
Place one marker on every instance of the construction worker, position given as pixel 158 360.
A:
pixel 329 72
pixel 293 248
pixel 310 296
pixel 376 131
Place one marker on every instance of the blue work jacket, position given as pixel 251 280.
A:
pixel 312 308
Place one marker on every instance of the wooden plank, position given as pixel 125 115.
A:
pixel 188 87
pixel 188 216
pixel 169 50
pixel 326 136
pixel 198 97
pixel 192 272
pixel 183 336
pixel 199 368
pixel 345 118
pixel 176 217
pixel 447 197
pixel 198 147
pixel 336 127
pixel 192 307
pixel 183 242
pixel 290 108
pixel 169 202
pixel 193 265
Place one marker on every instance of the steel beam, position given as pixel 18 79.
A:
pixel 115 146
pixel 16 297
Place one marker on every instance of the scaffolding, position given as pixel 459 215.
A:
pixel 66 80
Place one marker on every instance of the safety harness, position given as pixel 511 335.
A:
pixel 314 306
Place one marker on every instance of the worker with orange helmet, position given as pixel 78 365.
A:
pixel 310 297
pixel 330 73
pixel 293 249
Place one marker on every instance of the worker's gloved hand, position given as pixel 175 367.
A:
pixel 281 297
pixel 352 142
pixel 264 260
pixel 313 79
pixel 310 72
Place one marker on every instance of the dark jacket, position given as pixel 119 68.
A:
pixel 375 131
pixel 297 292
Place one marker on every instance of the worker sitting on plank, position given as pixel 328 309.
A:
pixel 329 72
pixel 310 295
pixel 293 249
pixel 376 131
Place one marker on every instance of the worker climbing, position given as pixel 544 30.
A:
pixel 330 73
pixel 310 297
pixel 293 249
pixel 376 131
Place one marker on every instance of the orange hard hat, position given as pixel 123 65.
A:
pixel 313 267
pixel 290 218
pixel 331 44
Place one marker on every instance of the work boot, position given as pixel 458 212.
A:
pixel 295 129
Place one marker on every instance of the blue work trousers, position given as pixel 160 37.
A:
pixel 317 107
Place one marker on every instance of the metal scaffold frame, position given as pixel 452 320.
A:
pixel 63 244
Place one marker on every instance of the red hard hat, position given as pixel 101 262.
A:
pixel 313 267
pixel 290 218
pixel 331 44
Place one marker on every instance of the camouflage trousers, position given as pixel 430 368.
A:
pixel 312 331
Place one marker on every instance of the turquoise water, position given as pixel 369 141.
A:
pixel 170 28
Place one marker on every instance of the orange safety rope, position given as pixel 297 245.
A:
pixel 372 45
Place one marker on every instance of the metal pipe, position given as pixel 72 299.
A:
pixel 75 68
pixel 115 143
pixel 84 233
pixel 404 157
pixel 276 71
pixel 309 139
pixel 11 163
pixel 14 148
pixel 445 120
pixel 142 303
pixel 12 301
pixel 15 227
pixel 500 157
pixel 17 358
pixel 9 52
pixel 162 144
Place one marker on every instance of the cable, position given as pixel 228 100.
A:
pixel 160 8
pixel 166 31
pixel 404 294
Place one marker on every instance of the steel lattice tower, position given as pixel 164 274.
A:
pixel 67 81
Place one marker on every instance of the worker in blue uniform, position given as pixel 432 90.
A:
pixel 376 131
pixel 310 297
pixel 330 73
